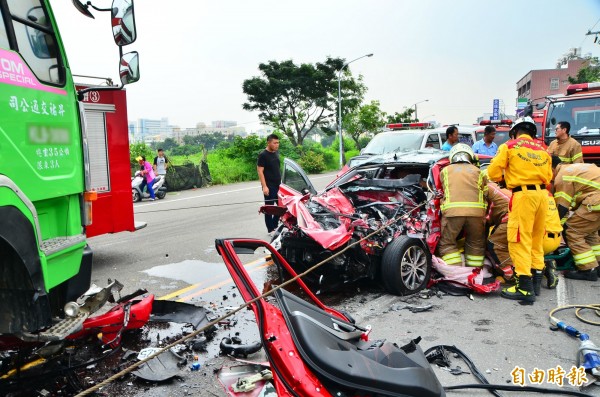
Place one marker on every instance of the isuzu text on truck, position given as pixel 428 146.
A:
pixel 46 190
pixel 581 108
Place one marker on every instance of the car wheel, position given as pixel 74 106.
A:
pixel 161 194
pixel 405 266
pixel 137 197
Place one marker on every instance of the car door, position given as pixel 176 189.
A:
pixel 294 180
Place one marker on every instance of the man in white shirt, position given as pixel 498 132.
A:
pixel 161 163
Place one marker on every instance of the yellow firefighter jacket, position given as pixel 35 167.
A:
pixel 569 151
pixel 498 199
pixel 576 185
pixel 523 161
pixel 464 186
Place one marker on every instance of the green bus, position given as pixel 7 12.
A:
pixel 45 194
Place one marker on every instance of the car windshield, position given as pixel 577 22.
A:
pixel 500 138
pixel 583 115
pixel 394 142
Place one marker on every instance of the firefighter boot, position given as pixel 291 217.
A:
pixel 537 276
pixel 589 275
pixel 551 275
pixel 521 291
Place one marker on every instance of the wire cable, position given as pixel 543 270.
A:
pixel 241 307
pixel 200 206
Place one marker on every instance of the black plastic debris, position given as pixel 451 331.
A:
pixel 179 312
pixel 413 308
pixel 234 347
pixel 159 369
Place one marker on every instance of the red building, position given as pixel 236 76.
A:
pixel 537 84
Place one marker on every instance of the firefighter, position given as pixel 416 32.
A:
pixel 577 186
pixel 526 168
pixel 552 239
pixel 564 146
pixel 463 207
pixel 497 217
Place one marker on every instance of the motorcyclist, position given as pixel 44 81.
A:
pixel 463 207
pixel 148 176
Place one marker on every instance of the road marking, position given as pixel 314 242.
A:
pixel 195 197
pixel 561 292
pixel 222 283
pixel 261 261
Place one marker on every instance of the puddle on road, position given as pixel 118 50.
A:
pixel 189 271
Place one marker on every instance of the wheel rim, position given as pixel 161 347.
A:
pixel 413 267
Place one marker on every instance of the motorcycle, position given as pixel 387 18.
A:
pixel 136 192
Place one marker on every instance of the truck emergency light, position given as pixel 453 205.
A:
pixel 398 126
pixel 574 88
pixel 496 122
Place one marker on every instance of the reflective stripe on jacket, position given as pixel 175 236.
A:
pixel 577 184
pixel 523 162
pixel 568 151
pixel 464 186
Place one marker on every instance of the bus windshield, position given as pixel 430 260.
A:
pixel 583 115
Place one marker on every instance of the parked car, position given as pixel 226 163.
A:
pixel 387 190
pixel 408 140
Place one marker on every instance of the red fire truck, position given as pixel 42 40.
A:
pixel 108 146
pixel 581 108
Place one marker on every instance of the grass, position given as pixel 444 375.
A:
pixel 224 170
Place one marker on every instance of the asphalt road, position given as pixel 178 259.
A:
pixel 174 257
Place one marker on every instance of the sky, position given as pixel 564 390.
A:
pixel 460 55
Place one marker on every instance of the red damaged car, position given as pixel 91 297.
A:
pixel 394 193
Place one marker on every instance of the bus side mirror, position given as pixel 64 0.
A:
pixel 540 106
pixel 123 22
pixel 129 68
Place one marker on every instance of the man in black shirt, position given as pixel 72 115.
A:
pixel 270 177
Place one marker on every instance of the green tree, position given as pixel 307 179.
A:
pixel 168 144
pixel 589 72
pixel 297 98
pixel 369 119
pixel 404 117
pixel 140 149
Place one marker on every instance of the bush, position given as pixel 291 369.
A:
pixel 312 162
pixel 140 149
pixel 224 169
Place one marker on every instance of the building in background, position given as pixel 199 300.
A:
pixel 223 124
pixel 149 130
pixel 219 126
pixel 537 84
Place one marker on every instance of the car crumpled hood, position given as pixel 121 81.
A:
pixel 421 156
pixel 336 202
